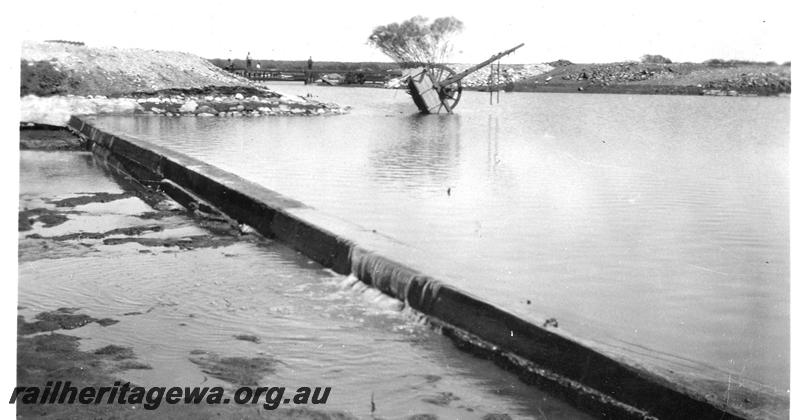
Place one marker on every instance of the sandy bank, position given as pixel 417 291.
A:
pixel 61 79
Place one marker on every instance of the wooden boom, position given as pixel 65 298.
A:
pixel 456 77
pixel 437 86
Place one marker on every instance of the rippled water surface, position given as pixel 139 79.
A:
pixel 322 329
pixel 656 225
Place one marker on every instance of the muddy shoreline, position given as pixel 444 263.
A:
pixel 48 356
pixel 79 231
pixel 47 350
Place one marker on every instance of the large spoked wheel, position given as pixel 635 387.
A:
pixel 449 94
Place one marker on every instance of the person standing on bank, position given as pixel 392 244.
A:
pixel 309 78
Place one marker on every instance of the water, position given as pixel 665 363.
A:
pixel 653 226
pixel 323 329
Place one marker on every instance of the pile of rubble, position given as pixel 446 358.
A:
pixel 480 79
pixel 764 83
pixel 620 72
pixel 234 106
pixel 56 110
pixel 509 74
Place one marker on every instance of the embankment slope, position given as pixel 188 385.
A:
pixel 728 79
pixel 60 79
pixel 49 68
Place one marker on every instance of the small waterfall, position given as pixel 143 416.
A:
pixel 383 274
pixel 408 285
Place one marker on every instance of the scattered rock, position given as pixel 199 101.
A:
pixel 188 107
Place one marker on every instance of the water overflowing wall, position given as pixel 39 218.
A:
pixel 563 365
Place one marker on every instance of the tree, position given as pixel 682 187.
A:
pixel 657 59
pixel 416 41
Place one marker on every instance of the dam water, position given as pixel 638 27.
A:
pixel 252 299
pixel 654 227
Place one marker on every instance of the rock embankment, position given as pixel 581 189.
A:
pixel 509 75
pixel 482 78
pixel 233 105
pixel 677 78
pixel 760 83
pixel 62 79
pixel 56 110
pixel 620 73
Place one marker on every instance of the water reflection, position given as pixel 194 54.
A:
pixel 492 142
pixel 427 155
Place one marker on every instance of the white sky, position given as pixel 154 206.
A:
pixel 577 30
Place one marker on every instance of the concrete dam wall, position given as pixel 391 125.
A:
pixel 551 361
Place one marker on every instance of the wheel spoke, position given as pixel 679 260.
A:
pixel 450 94
pixel 447 106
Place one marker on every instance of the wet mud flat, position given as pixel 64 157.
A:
pixel 47 353
pixel 56 357
pixel 116 284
